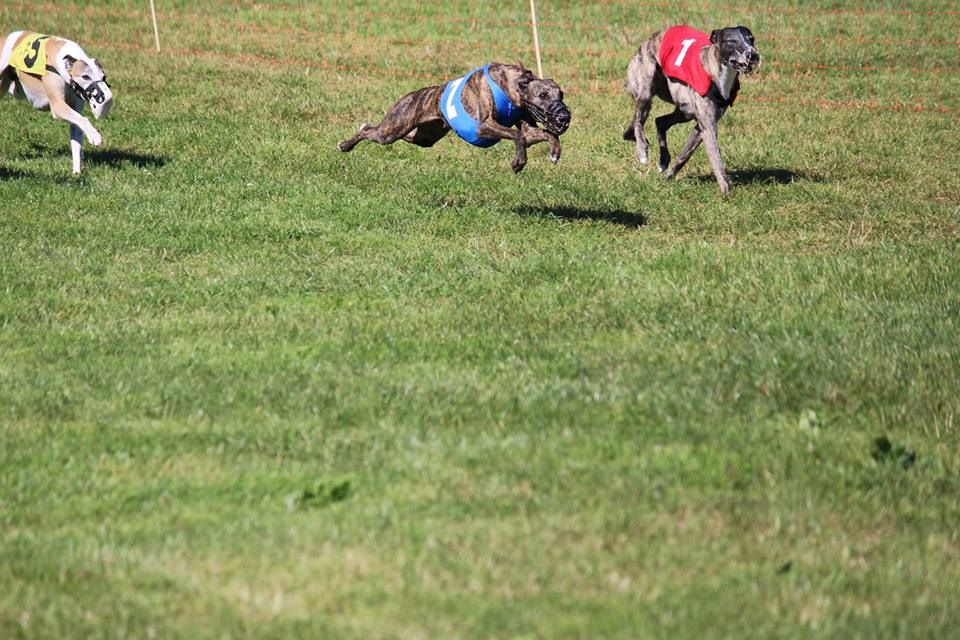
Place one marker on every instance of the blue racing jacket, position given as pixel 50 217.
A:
pixel 451 106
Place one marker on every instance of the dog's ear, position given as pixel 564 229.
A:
pixel 526 77
pixel 524 70
pixel 714 36
pixel 68 62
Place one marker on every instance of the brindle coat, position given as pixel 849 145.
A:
pixel 731 52
pixel 416 117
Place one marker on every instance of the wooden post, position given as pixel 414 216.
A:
pixel 156 31
pixel 536 36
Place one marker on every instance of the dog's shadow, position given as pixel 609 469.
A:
pixel 616 216
pixel 114 158
pixel 118 157
pixel 14 174
pixel 763 176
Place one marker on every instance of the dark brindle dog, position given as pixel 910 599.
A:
pixel 489 104
pixel 698 74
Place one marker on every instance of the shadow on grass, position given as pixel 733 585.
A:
pixel 616 216
pixel 118 157
pixel 14 174
pixel 115 158
pixel 763 176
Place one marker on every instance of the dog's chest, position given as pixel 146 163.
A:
pixel 725 81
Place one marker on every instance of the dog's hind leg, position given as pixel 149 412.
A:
pixel 663 125
pixel 634 130
pixel 409 112
pixel 427 134
pixel 6 82
pixel 693 141
pixel 641 85
pixel 362 134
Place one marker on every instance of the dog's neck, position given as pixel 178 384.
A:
pixel 725 80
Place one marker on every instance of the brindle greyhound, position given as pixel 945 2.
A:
pixel 489 104
pixel 696 73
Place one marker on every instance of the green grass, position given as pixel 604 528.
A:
pixel 254 387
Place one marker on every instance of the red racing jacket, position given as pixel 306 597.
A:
pixel 679 57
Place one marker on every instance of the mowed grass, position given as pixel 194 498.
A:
pixel 254 387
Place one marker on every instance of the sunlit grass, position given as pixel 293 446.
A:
pixel 254 387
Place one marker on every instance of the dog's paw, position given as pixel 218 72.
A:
pixel 554 156
pixel 518 166
pixel 94 137
pixel 643 158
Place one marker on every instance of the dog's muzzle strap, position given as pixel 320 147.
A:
pixel 94 93
pixel 556 117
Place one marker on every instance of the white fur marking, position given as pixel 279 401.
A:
pixel 725 80
pixel 8 49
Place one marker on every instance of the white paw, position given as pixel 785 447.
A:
pixel 554 158
pixel 94 137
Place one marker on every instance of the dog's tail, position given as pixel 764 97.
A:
pixel 628 133
pixel 8 49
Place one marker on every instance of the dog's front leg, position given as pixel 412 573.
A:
pixel 62 110
pixel 533 135
pixel 76 136
pixel 492 129
pixel 55 89
pixel 709 133
pixel 76 146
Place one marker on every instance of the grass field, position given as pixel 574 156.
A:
pixel 254 387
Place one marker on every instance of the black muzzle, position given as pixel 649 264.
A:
pixel 94 93
pixel 555 118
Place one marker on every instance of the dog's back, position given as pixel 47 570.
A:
pixel 645 78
